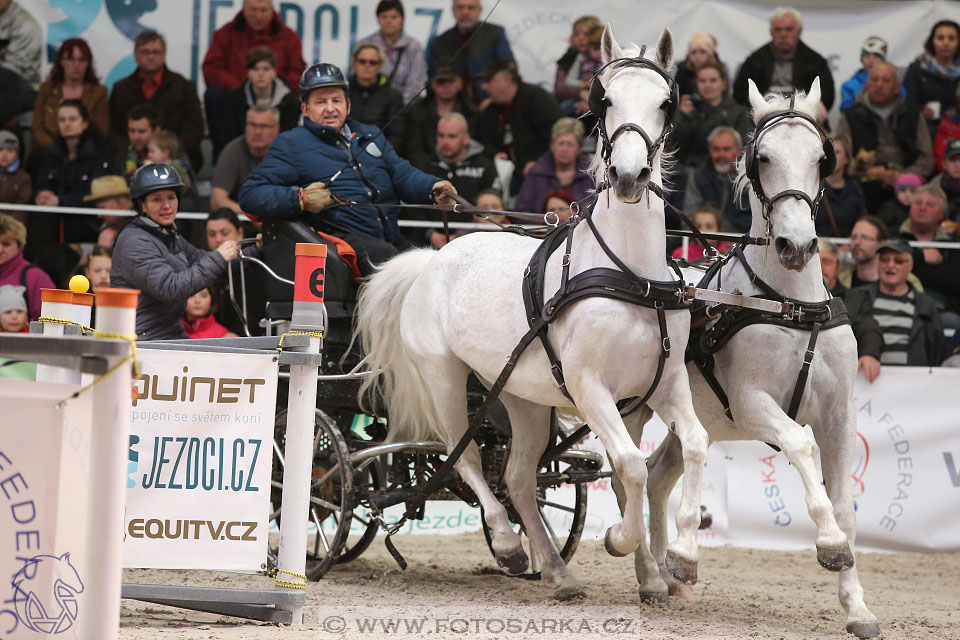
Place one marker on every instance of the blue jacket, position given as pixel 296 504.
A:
pixel 316 153
pixel 850 89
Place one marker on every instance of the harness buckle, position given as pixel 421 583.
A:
pixel 555 220
pixel 808 357
pixel 526 271
pixel 647 292
pixel 566 260
pixel 665 345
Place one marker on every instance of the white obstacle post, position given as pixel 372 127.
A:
pixel 80 312
pixel 308 316
pixel 110 441
pixel 56 303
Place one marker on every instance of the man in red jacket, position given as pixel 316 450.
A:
pixel 225 65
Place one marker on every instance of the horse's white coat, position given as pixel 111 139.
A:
pixel 428 319
pixel 758 367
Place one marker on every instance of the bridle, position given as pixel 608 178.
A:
pixel 752 160
pixel 598 103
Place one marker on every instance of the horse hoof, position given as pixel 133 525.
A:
pixel 864 630
pixel 681 569
pixel 608 544
pixel 513 563
pixel 835 560
pixel 682 591
pixel 653 597
pixel 565 594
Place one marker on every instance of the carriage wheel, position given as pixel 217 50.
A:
pixel 367 481
pixel 564 511
pixel 331 492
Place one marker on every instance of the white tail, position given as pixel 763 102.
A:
pixel 410 407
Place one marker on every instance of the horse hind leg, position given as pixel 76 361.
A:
pixel 836 457
pixel 530 426
pixel 652 587
pixel 448 384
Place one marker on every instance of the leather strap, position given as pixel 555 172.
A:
pixel 801 384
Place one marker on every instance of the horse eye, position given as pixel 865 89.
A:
pixel 763 159
pixel 665 106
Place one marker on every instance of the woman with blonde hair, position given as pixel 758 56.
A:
pixel 563 166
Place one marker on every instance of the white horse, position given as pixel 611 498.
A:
pixel 758 367
pixel 428 319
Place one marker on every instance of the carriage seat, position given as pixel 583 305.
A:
pixel 280 238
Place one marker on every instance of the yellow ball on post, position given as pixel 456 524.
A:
pixel 79 284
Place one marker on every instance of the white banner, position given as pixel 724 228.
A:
pixel 538 31
pixel 200 457
pixel 44 451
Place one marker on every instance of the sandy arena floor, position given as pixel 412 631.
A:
pixel 452 590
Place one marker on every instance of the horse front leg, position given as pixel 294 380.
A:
pixel 837 446
pixel 763 416
pixel 652 587
pixel 673 402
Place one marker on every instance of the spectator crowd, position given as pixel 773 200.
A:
pixel 452 111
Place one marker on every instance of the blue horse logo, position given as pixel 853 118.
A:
pixel 35 611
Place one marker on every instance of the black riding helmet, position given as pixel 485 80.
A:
pixel 154 177
pixel 320 75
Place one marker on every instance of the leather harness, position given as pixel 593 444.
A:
pixel 715 325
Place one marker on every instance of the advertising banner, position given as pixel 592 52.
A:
pixel 44 451
pixel 201 447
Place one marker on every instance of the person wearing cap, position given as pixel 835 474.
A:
pixel 150 255
pixel 872 51
pixel 516 125
pixel 372 99
pixel 484 42
pixel 894 212
pixel 327 169
pixel 13 309
pixel 949 180
pixel 404 63
pixel 14 268
pixel 16 187
pixel 446 95
pixel 868 234
pixel 109 192
pixel 894 324
pixel 785 63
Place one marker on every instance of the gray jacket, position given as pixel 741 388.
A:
pixel 167 270
pixel 23 55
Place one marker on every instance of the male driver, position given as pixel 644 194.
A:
pixel 485 43
pixel 331 158
pixel 460 159
pixel 174 96
pixel 242 155
pixel 893 322
pixel 712 181
pixel 785 63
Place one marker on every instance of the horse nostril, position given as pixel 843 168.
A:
pixel 812 246
pixel 644 176
pixel 612 172
pixel 782 245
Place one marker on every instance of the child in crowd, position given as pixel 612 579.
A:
pixel 163 146
pixel 491 199
pixel 894 212
pixel 198 319
pixel 98 266
pixel 707 219
pixel 13 309
pixel 15 184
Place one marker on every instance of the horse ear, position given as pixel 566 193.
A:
pixel 813 96
pixel 665 48
pixel 756 100
pixel 609 48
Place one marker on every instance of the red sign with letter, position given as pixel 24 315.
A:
pixel 309 272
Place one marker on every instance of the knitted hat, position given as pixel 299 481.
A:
pixel 8 140
pixel 909 181
pixel 11 297
pixel 703 41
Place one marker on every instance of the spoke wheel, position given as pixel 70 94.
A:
pixel 331 491
pixel 367 481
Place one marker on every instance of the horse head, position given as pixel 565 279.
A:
pixel 785 163
pixel 632 95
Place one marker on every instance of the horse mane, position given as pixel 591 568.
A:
pixel 774 102
pixel 667 155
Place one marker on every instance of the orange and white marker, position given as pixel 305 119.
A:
pixel 309 274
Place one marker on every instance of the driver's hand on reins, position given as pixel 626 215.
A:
pixel 229 250
pixel 442 191
pixel 315 198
